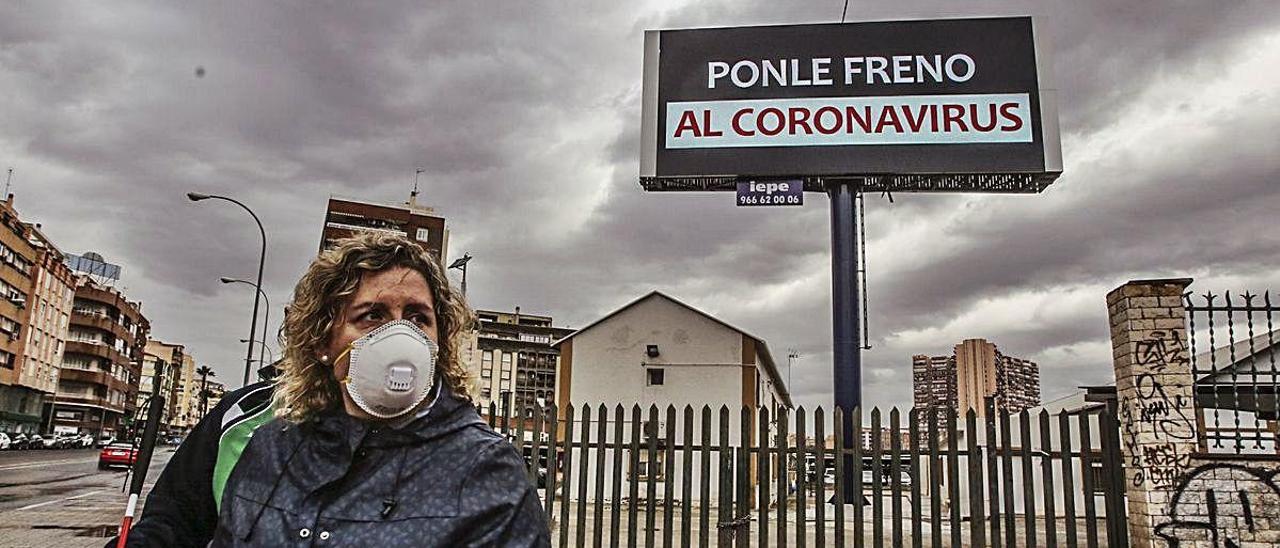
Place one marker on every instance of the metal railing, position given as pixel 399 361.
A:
pixel 680 477
pixel 1232 345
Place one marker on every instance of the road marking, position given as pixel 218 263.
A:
pixel 39 504
pixel 45 463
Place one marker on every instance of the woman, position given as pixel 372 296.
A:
pixel 376 442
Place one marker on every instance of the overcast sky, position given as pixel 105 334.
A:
pixel 526 118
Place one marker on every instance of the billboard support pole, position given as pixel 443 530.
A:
pixel 845 325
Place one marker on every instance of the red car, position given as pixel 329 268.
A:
pixel 117 454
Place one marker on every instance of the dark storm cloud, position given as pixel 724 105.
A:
pixel 525 117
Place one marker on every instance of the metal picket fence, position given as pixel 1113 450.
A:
pixel 1233 349
pixel 749 477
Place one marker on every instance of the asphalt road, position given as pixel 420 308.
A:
pixel 39 478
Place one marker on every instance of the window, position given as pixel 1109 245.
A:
pixel 506 362
pixel 486 393
pixel 644 467
pixel 655 376
pixel 529 337
pixel 8 326
pixel 422 234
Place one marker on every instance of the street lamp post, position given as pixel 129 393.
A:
pixel 264 347
pixel 266 314
pixel 262 260
pixel 461 264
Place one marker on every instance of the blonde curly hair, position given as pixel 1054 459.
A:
pixel 306 385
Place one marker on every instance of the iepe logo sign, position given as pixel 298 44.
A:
pixel 771 193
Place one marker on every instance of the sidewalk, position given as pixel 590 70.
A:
pixel 77 522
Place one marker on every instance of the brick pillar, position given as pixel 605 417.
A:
pixel 1154 389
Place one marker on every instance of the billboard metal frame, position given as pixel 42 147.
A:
pixel 1007 183
pixel 979 182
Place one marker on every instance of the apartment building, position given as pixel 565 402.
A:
pixel 19 404
pixel 974 372
pixel 511 358
pixel 345 217
pixel 102 362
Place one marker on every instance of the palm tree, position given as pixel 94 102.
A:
pixel 204 371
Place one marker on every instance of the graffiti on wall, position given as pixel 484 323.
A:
pixel 1167 415
pixel 1162 349
pixel 1161 412
pixel 1222 505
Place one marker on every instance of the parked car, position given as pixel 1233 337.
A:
pixel 106 439
pixel 4 441
pixel 53 441
pixel 35 441
pixel 17 441
pixel 117 454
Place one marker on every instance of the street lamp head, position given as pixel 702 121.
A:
pixel 196 196
pixel 227 280
pixel 461 262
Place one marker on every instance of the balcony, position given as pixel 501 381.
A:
pixel 95 349
pixel 87 401
pixel 103 322
pixel 110 298
pixel 93 376
pixel 357 228
pixel 89 376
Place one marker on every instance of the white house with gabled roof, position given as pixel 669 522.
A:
pixel 659 351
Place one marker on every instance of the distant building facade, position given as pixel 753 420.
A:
pixel 212 394
pixel 934 382
pixel 345 217
pixel 512 360
pixel 19 403
pixel 52 295
pixel 977 370
pixel 102 362
pixel 186 395
pixel 167 359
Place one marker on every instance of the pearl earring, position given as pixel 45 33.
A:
pixel 324 358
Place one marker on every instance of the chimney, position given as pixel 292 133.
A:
pixel 517 314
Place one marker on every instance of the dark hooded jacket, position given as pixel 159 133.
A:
pixel 444 479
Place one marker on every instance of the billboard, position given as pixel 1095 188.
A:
pixel 93 264
pixel 931 105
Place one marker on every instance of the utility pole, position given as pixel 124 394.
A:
pixel 792 356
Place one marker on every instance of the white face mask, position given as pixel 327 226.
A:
pixel 391 370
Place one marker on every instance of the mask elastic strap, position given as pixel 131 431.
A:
pixel 344 352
